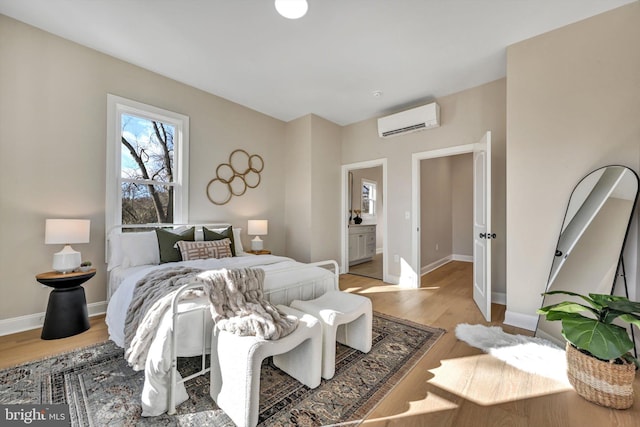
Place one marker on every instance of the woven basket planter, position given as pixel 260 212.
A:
pixel 600 382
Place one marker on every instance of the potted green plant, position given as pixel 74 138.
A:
pixel 600 365
pixel 85 266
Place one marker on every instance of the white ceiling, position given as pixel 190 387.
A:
pixel 328 63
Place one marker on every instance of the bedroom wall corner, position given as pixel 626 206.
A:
pixel 297 212
pixel 325 187
pixel 312 201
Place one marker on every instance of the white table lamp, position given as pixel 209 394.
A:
pixel 257 227
pixel 65 232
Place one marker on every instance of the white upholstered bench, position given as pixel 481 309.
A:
pixel 346 318
pixel 236 362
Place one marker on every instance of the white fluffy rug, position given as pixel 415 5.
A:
pixel 529 354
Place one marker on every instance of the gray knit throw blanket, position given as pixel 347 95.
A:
pixel 152 298
pixel 237 305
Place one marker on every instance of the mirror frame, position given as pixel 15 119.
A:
pixel 620 258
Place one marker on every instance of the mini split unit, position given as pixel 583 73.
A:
pixel 413 120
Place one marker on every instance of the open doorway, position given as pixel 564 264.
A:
pixel 366 256
pixel 481 218
pixel 364 221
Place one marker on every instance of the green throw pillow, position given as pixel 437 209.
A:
pixel 227 233
pixel 167 243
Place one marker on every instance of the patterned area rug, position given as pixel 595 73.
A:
pixel 101 389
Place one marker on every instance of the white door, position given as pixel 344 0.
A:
pixel 482 234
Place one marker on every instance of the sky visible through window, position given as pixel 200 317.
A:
pixel 140 133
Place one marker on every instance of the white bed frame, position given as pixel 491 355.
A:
pixel 204 308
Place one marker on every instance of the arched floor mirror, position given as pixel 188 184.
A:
pixel 588 257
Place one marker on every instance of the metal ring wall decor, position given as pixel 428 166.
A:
pixel 233 178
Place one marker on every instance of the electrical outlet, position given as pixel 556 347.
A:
pixel 396 258
pixel 436 246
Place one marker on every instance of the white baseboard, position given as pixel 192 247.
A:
pixel 439 263
pixel 521 320
pixel 432 266
pixel 499 298
pixel 35 321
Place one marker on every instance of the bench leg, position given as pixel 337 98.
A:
pixel 357 334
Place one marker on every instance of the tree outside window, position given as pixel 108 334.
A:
pixel 146 170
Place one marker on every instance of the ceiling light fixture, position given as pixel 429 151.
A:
pixel 292 9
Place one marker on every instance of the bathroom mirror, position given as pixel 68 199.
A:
pixel 589 250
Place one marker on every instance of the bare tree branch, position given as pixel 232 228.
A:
pixel 162 217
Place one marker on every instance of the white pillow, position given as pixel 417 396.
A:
pixel 115 254
pixel 133 249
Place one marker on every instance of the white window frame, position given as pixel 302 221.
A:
pixel 116 106
pixel 374 187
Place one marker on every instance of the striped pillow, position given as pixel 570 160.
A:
pixel 204 250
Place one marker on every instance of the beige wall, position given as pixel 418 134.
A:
pixel 312 170
pixel 297 213
pixel 465 117
pixel 325 190
pixel 462 204
pixel 446 208
pixel 573 100
pixel 52 154
pixel 435 210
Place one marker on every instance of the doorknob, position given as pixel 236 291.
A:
pixel 488 236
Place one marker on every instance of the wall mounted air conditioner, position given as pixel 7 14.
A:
pixel 413 120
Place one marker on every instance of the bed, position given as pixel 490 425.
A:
pixel 133 255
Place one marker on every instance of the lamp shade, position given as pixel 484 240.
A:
pixel 66 231
pixel 258 227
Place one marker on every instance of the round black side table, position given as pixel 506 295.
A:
pixel 67 308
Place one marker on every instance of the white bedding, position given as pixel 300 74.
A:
pixel 285 280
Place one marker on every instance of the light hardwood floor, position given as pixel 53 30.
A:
pixel 452 385
pixel 371 268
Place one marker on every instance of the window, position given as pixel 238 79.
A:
pixel 368 197
pixel 147 161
